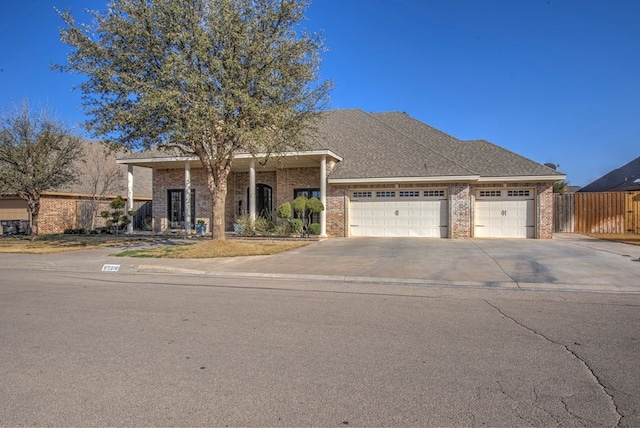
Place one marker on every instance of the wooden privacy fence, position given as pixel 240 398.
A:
pixel 597 212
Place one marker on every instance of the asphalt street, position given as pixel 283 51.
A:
pixel 188 344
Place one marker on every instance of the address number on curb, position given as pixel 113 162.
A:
pixel 110 268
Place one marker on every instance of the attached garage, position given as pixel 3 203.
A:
pixel 502 213
pixel 415 213
pixel 14 209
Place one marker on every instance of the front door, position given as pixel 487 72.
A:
pixel 175 209
pixel 264 200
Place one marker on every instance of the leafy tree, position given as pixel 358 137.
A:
pixel 37 154
pixel 561 186
pixel 207 78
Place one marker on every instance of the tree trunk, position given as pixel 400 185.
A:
pixel 218 190
pixel 34 210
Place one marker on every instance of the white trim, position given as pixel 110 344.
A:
pixel 457 178
pixel 323 196
pixel 238 156
pixel 403 179
pixel 528 178
pixel 154 160
pixel 289 154
pixel 252 190
pixel 130 198
pixel 187 198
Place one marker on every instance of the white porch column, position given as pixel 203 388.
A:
pixel 187 198
pixel 252 190
pixel 323 196
pixel 130 197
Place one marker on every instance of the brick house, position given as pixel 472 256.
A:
pixel 72 206
pixel 378 174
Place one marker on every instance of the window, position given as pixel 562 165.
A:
pixel 409 193
pixel 490 193
pixel 434 193
pixel 383 194
pixel 361 194
pixel 308 193
pixel 515 193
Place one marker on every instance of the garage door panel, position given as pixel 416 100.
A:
pixel 419 217
pixel 505 217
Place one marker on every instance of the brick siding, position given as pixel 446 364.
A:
pixel 461 198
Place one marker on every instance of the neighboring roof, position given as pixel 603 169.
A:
pixel 626 177
pixel 386 146
pixel 96 164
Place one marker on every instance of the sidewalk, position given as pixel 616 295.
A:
pixel 568 262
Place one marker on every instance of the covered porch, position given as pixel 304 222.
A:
pixel 256 186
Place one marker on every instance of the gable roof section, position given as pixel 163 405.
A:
pixel 479 156
pixel 374 150
pixel 627 177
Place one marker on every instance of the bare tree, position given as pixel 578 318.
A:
pixel 37 153
pixel 101 176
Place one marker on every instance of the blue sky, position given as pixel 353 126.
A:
pixel 553 80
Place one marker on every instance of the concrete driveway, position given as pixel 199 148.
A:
pixel 567 262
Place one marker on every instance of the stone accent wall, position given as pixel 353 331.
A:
pixel 337 203
pixel 544 202
pixel 459 211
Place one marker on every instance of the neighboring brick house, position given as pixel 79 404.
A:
pixel 378 174
pixel 72 207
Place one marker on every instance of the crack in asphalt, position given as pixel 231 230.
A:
pixel 572 353
pixel 498 264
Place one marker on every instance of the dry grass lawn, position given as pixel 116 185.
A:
pixel 215 249
pixel 50 244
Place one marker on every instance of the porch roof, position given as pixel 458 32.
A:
pixel 156 159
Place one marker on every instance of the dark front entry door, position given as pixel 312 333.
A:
pixel 175 209
pixel 264 200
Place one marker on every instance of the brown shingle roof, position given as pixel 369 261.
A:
pixel 388 145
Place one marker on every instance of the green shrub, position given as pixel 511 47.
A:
pixel 246 226
pixel 299 204
pixel 284 211
pixel 262 226
pixel 314 228
pixel 314 205
pixel 296 225
pixel 281 229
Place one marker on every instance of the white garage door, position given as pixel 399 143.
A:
pixel 421 213
pixel 504 214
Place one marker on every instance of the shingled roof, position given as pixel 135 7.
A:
pixel 626 177
pixel 397 145
pixel 393 145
